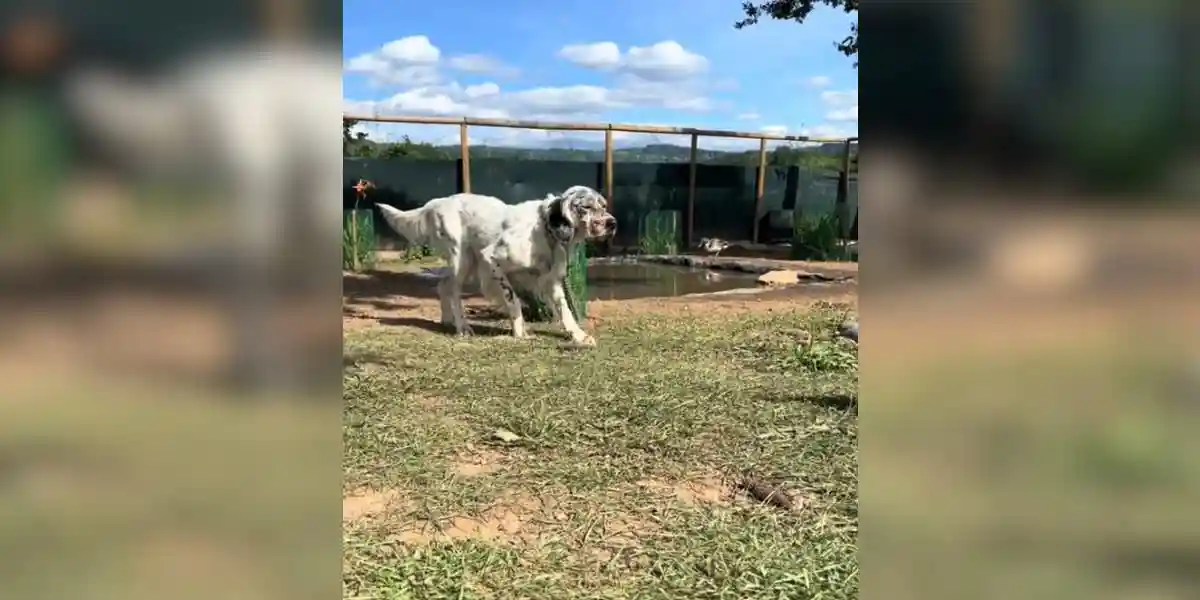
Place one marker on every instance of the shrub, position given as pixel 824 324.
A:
pixel 659 232
pixel 358 240
pixel 817 238
pixel 535 311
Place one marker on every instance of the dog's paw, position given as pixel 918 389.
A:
pixel 584 341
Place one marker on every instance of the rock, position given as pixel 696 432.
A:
pixel 849 330
pixel 779 278
pixel 505 435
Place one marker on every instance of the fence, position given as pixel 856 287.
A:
pixel 714 200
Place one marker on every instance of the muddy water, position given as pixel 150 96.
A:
pixel 629 281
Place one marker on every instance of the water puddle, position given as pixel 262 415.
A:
pixel 626 281
pixel 606 280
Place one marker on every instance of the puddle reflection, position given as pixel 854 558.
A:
pixel 629 281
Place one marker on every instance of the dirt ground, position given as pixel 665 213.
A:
pixel 391 297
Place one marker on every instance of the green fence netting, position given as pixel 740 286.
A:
pixel 725 194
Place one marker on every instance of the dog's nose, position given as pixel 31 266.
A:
pixel 610 223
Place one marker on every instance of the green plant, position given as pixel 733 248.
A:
pixel 816 238
pixel 415 253
pixel 659 232
pixel 826 357
pixel 358 240
pixel 576 284
pixel 536 311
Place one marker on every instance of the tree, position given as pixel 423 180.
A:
pixel 798 10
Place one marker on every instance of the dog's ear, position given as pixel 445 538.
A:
pixel 559 220
pixel 577 199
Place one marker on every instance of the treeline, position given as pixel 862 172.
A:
pixel 822 157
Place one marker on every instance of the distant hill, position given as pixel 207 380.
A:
pixel 824 156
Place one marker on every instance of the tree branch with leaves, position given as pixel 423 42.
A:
pixel 798 10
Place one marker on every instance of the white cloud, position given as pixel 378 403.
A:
pixel 775 129
pixel 410 61
pixel 556 103
pixel 825 131
pixel 563 101
pixel 480 64
pixel 600 55
pixel 664 61
pixel 749 116
pixel 482 90
pixel 662 75
pixel 840 105
pixel 848 114
pixel 631 90
pixel 414 61
pixel 819 81
pixel 415 49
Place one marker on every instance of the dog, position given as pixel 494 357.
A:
pixel 506 246
pixel 230 121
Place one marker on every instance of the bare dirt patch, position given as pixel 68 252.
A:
pixel 364 503
pixel 705 490
pixel 390 299
pixel 514 518
pixel 474 462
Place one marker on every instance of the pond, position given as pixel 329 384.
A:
pixel 625 281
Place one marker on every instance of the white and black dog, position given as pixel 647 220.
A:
pixel 505 245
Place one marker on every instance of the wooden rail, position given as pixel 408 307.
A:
pixel 552 126
pixel 608 128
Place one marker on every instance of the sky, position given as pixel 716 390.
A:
pixel 661 62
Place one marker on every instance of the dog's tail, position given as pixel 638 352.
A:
pixel 412 224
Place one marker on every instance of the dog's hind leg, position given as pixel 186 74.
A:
pixel 450 291
pixel 445 293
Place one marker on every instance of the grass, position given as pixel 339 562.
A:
pixel 815 237
pixel 575 285
pixel 358 240
pixel 501 468
pixel 659 233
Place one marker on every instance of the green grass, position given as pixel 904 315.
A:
pixel 659 233
pixel 815 237
pixel 358 240
pixel 619 484
pixel 536 311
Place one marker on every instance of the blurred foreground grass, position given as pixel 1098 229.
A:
pixel 129 491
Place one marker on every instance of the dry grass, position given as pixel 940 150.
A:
pixel 627 477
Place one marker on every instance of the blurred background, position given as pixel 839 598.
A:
pixel 1031 374
pixel 1030 363
pixel 168 342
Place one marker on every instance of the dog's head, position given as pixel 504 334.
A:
pixel 580 213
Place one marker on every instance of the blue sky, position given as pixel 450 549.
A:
pixel 664 62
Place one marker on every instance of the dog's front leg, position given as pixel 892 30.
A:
pixel 561 310
pixel 508 294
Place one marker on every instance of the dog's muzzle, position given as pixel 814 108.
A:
pixel 609 226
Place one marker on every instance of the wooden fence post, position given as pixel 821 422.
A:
pixel 464 144
pixel 843 201
pixel 759 187
pixel 608 179
pixel 690 230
